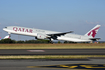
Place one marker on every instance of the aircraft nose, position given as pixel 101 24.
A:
pixel 4 29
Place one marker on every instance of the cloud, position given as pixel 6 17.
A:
pixel 16 23
pixel 0 23
pixel 92 22
pixel 104 25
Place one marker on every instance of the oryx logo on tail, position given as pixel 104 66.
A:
pixel 93 31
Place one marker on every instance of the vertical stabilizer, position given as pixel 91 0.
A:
pixel 93 31
pixel 8 36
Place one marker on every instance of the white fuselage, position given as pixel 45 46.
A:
pixel 34 32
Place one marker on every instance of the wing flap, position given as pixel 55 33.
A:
pixel 59 34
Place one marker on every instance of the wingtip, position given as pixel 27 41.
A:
pixel 71 31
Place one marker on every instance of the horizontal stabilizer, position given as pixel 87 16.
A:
pixel 95 39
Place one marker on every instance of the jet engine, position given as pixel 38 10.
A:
pixel 41 36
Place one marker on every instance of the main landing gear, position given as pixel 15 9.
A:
pixel 51 40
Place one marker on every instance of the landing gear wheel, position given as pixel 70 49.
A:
pixel 51 41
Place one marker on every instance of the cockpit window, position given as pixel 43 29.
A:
pixel 5 27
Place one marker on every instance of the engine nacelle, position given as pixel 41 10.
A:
pixel 41 36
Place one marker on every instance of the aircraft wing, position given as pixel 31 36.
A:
pixel 59 34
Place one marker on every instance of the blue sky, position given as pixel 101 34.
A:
pixel 57 15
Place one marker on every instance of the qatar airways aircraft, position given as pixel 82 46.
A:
pixel 52 35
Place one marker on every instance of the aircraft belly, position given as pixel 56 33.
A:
pixel 72 39
pixel 28 34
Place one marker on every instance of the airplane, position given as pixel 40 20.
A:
pixel 53 35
